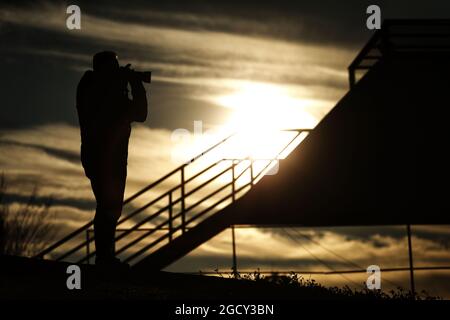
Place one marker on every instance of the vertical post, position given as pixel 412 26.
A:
pixel 351 77
pixel 251 173
pixel 233 240
pixel 87 246
pixel 170 216
pixel 411 266
pixel 183 217
pixel 233 177
pixel 385 46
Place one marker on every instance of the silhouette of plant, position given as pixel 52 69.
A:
pixel 27 230
pixel 296 281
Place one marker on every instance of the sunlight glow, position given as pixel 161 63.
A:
pixel 262 107
pixel 261 114
pixel 261 111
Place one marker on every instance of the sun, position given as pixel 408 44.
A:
pixel 262 107
pixel 260 112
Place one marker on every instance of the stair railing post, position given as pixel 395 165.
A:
pixel 251 173
pixel 170 217
pixel 183 217
pixel 411 266
pixel 351 76
pixel 233 177
pixel 87 246
pixel 233 241
pixel 233 197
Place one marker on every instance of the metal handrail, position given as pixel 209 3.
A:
pixel 131 198
pixel 155 215
pixel 147 247
pixel 232 195
pixel 130 215
pixel 383 41
pixel 172 202
pixel 168 221
pixel 160 211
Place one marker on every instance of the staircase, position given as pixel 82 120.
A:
pixel 162 226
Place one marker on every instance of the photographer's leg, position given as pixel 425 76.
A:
pixel 108 190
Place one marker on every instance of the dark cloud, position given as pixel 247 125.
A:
pixel 40 89
pixel 81 204
pixel 36 91
pixel 324 21
pixel 72 157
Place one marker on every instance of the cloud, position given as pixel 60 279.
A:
pixel 191 67
pixel 267 249
pixel 47 156
pixel 49 153
pixel 178 53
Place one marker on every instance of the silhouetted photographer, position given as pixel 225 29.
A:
pixel 105 113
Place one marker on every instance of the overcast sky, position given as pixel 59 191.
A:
pixel 192 47
pixel 199 52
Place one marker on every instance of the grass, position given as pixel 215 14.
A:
pixel 294 281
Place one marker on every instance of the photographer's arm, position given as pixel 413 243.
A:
pixel 138 106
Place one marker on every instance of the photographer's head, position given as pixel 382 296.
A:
pixel 105 61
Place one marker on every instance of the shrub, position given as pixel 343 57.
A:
pixel 26 230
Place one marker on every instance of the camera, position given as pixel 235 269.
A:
pixel 129 74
